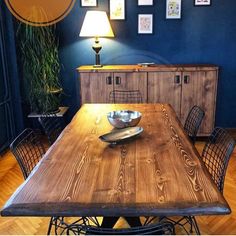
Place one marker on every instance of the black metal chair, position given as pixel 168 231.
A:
pixel 193 122
pixel 125 96
pixel 215 155
pixel 164 228
pixel 52 126
pixel 28 150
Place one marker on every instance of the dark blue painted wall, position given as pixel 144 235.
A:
pixel 14 79
pixel 203 35
pixel 11 76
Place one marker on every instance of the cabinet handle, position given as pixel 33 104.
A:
pixel 186 79
pixel 177 79
pixel 118 80
pixel 109 80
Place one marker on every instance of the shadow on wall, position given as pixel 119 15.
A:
pixel 112 52
pixel 135 57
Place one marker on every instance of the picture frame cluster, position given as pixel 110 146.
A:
pixel 145 21
pixel 117 11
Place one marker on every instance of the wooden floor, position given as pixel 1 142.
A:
pixel 11 178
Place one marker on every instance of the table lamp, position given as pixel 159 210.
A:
pixel 96 24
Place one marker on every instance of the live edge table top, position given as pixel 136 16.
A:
pixel 157 173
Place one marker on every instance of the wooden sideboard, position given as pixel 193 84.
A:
pixel 182 86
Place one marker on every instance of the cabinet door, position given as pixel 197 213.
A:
pixel 95 87
pixel 132 81
pixel 165 87
pixel 199 88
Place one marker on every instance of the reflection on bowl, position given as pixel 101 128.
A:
pixel 123 119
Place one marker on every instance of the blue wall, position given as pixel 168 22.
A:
pixel 12 69
pixel 203 35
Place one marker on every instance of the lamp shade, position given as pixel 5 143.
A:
pixel 96 24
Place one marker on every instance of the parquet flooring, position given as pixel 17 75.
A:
pixel 11 178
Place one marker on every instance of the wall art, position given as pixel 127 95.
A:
pixel 117 9
pixel 173 9
pixel 88 3
pixel 145 2
pixel 202 2
pixel 145 23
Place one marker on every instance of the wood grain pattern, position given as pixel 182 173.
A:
pixel 11 177
pixel 156 67
pixel 200 90
pixel 163 88
pixel 132 81
pixel 95 88
pixel 157 83
pixel 158 173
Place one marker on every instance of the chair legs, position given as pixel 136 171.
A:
pixel 58 224
pixel 195 225
pixel 61 227
pixel 50 226
pixel 187 223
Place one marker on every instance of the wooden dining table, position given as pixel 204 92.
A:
pixel 156 173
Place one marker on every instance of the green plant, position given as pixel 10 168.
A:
pixel 40 67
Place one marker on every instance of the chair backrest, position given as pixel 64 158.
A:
pixel 163 228
pixel 216 155
pixel 193 122
pixel 125 96
pixel 52 126
pixel 28 150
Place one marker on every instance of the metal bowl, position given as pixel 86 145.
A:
pixel 123 119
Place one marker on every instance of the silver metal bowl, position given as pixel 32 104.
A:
pixel 123 119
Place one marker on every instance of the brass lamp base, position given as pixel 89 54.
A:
pixel 97 47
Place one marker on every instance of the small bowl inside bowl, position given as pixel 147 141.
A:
pixel 124 118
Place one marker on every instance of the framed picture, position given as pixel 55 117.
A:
pixel 88 3
pixel 173 9
pixel 117 9
pixel 202 2
pixel 145 2
pixel 145 23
